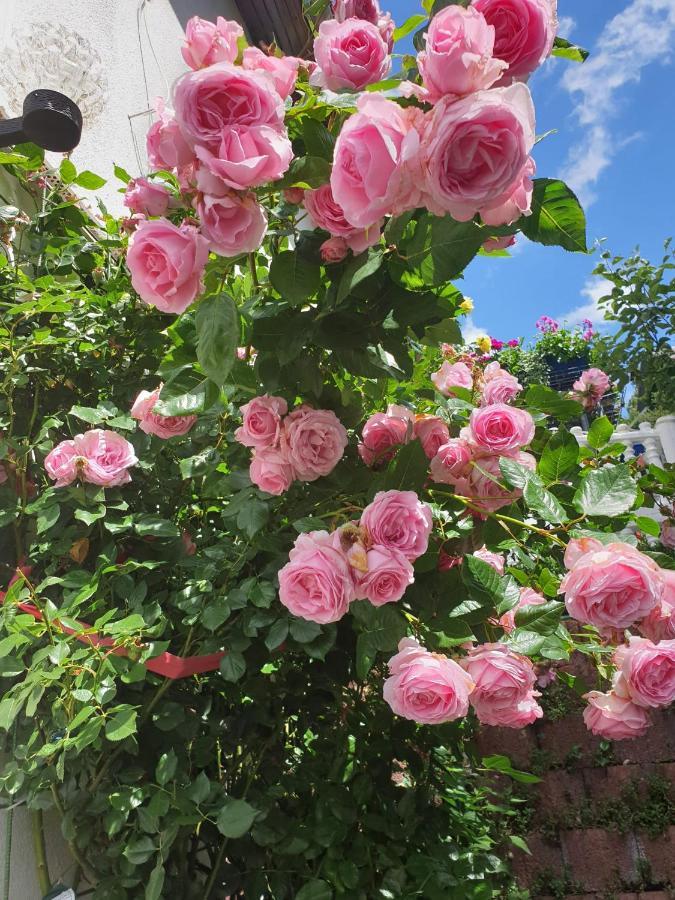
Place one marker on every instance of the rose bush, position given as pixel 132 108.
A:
pixel 342 537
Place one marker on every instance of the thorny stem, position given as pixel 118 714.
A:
pixel 37 831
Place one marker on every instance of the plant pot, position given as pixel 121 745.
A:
pixel 562 375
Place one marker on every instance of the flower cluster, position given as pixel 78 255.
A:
pixel 366 560
pixel 151 422
pixel 98 457
pixel 299 446
pixel 547 325
pixel 591 387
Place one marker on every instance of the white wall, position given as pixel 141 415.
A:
pixel 138 42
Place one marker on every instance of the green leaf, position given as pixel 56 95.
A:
pixel 542 619
pixel 153 889
pixel 89 516
pixel 546 400
pixel 67 171
pixel 600 432
pixel 294 277
pixel 89 180
pixel 277 634
pixel 535 495
pixel 357 270
pixel 166 767
pixel 566 50
pixel 156 526
pixel 138 849
pixel 560 456
pixel 486 587
pixel 524 641
pixel 316 889
pixel 89 414
pixel 217 324
pixel 445 332
pixel 197 399
pixel 232 666
pixel 366 652
pixel 647 525
pixel 318 139
pixel 306 172
pixel 438 251
pixel 520 843
pixel 381 628
pixel 409 470
pixel 122 174
pixel 252 517
pixel 410 24
pixel 235 817
pixel 609 491
pixel 503 764
pixel 121 725
pixel 557 218
pixel 48 516
pixel 303 631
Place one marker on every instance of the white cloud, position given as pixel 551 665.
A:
pixel 641 34
pixel 471 331
pixel 566 26
pixel 593 289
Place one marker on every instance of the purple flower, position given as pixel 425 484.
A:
pixel 546 325
pixel 514 342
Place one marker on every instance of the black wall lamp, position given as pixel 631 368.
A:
pixel 50 119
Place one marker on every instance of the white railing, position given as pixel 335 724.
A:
pixel 658 440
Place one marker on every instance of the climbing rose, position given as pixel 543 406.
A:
pixel 334 250
pixel 524 32
pixel 233 224
pixel 166 147
pixel 153 423
pixel 503 680
pixel 484 484
pixel 591 387
pixel 432 433
pixel 613 717
pixel 399 520
pixel 207 43
pixel 248 156
pixel 349 54
pixel 452 375
pixel 577 547
pixel 143 196
pixel 316 583
pixel 458 57
pixel 261 422
pixel 516 203
pixel 315 440
pixel 97 456
pixel 528 597
pixel 426 687
pixel 166 263
pixel 389 574
pixel 612 587
pixel 500 428
pixel 283 69
pixel 325 212
pixel 475 149
pixel 659 625
pixel 500 390
pixel 648 671
pixel 356 9
pixel 451 462
pixel 382 433
pixel 271 471
pixel 496 560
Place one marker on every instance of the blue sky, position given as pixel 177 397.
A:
pixel 615 145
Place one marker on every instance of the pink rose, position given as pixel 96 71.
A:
pixel 143 196
pixel 248 156
pixel 152 423
pixel 496 560
pixel 349 54
pixel 475 149
pixel 577 547
pixel 283 69
pixel 324 212
pixel 206 43
pixel 452 375
pixel 528 597
pixel 613 717
pixel 500 428
pixel 262 422
pixel 500 390
pixel 271 471
pixel 516 203
pixel 458 58
pixel 659 625
pixel 484 484
pixel 451 462
pixel 334 250
pixel 166 263
pixel 389 574
pixel 432 433
pixel 667 537
pixel 613 587
pixel 524 32
pixel 492 245
pixel 591 387
pixel 503 679
pixel 356 9
pixel 233 224
pixel 211 102
pixel 316 583
pixel 98 456
pixel 400 521
pixel 294 195
pixel 63 463
pixel 165 144
pixel 316 441
pixel 647 671
pixel 381 434
pixel 426 687
pixel 375 161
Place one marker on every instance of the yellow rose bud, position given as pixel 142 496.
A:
pixel 466 304
pixel 484 344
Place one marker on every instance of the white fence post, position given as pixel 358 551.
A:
pixel 665 428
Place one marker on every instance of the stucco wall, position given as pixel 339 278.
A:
pixel 138 44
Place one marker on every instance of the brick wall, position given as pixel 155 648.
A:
pixel 600 823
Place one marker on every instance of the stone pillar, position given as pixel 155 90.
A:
pixel 665 428
pixel 652 444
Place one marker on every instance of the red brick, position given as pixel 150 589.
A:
pixel 660 852
pixel 658 745
pixel 557 792
pixel 516 743
pixel 656 895
pixel 546 856
pixel 597 858
pixel 560 738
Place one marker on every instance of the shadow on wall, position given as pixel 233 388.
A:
pixel 207 9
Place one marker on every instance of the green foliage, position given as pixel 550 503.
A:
pixel 557 217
